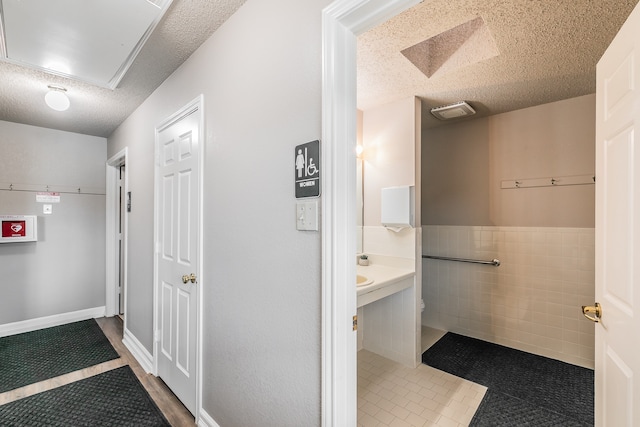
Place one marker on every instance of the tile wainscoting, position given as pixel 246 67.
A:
pixel 531 302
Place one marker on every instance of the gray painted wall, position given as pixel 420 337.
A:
pixel 64 271
pixel 260 74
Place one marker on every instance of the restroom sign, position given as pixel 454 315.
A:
pixel 307 169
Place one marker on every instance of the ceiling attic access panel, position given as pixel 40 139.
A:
pixel 92 41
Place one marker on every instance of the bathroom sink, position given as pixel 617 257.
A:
pixel 363 280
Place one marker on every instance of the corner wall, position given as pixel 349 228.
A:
pixel 389 141
pixel 390 158
pixel 64 271
pixel 543 236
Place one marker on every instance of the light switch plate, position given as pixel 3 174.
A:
pixel 307 215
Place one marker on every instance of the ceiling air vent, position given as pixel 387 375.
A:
pixel 453 111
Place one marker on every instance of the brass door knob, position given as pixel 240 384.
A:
pixel 593 313
pixel 189 278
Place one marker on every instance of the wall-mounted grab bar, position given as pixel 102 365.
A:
pixel 495 262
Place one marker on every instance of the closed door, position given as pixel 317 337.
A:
pixel 617 380
pixel 121 238
pixel 177 230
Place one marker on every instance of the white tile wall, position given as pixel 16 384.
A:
pixel 389 327
pixel 382 241
pixel 531 302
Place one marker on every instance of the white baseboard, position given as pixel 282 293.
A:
pixel 144 358
pixel 49 321
pixel 205 420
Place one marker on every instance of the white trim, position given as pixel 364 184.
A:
pixel 137 350
pixel 205 420
pixel 341 22
pixel 196 106
pixel 201 275
pixel 111 270
pixel 49 321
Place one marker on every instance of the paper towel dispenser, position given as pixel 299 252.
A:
pixel 398 207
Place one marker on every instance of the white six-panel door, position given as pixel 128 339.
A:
pixel 617 357
pixel 177 229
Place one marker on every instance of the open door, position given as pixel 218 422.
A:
pixel 617 314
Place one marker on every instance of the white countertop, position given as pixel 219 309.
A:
pixel 382 275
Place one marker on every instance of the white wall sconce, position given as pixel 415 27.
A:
pixel 57 98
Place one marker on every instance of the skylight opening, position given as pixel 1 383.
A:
pixel 466 44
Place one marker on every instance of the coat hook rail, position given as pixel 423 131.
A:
pixel 557 181
pixel 37 188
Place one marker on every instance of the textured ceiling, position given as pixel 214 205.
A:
pixel 548 51
pixel 98 111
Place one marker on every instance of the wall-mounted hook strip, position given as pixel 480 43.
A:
pixel 38 188
pixel 548 182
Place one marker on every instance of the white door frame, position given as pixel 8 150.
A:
pixel 195 107
pixel 112 256
pixel 342 21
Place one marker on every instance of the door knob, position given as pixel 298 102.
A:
pixel 593 313
pixel 189 278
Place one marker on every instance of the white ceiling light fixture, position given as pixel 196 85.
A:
pixel 57 98
pixel 453 111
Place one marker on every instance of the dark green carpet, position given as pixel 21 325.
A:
pixel 112 399
pixel 523 388
pixel 39 355
pixel 501 409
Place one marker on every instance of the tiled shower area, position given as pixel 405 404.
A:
pixel 531 302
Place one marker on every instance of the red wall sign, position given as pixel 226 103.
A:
pixel 14 228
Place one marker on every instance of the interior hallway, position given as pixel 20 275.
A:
pixel 171 407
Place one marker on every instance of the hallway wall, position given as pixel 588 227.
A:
pixel 260 74
pixel 64 270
